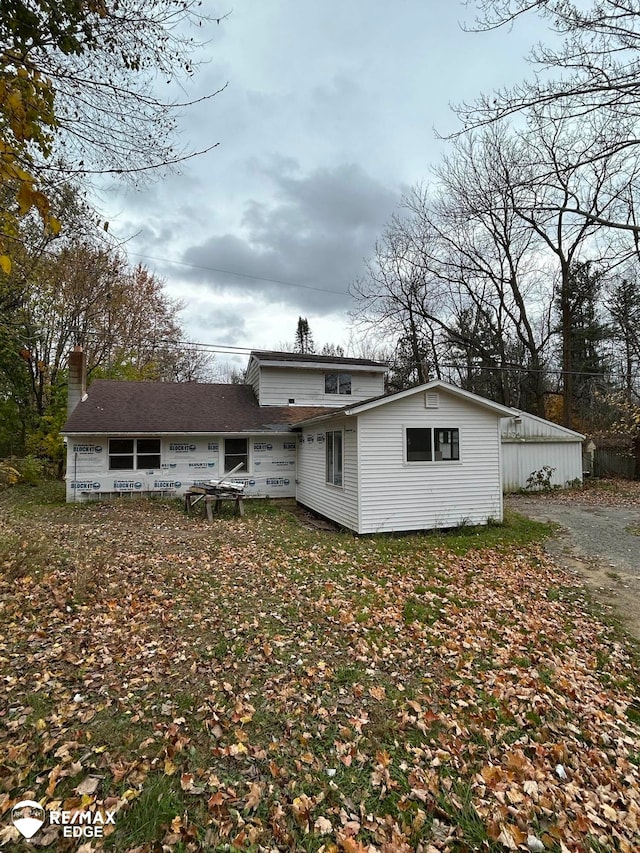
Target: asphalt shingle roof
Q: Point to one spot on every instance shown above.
(176, 407)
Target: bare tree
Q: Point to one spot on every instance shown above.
(589, 80)
(595, 67)
(481, 258)
(393, 299)
(457, 279)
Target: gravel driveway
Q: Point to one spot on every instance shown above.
(600, 540)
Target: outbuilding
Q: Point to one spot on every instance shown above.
(534, 449)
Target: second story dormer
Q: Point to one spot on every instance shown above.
(301, 379)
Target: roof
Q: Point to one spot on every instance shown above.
(307, 359)
(117, 407)
(434, 385)
(550, 428)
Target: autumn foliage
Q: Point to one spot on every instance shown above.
(256, 685)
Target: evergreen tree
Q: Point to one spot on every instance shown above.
(624, 308)
(304, 339)
(588, 332)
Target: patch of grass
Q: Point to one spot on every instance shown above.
(565, 594)
(515, 530)
(28, 554)
(150, 815)
(417, 610)
(458, 805)
(24, 497)
(347, 675)
(633, 712)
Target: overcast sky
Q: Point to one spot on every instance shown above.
(329, 116)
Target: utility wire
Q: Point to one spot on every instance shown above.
(239, 274)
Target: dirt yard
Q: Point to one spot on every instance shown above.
(599, 539)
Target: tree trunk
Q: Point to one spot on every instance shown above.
(567, 374)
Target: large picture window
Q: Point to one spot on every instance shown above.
(427, 444)
(236, 452)
(134, 454)
(333, 444)
(337, 383)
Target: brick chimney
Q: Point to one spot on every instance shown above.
(77, 384)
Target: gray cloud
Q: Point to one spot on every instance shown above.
(311, 235)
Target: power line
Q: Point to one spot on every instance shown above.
(514, 369)
(239, 274)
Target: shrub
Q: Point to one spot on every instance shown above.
(9, 475)
(541, 480)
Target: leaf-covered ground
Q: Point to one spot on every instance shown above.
(254, 685)
(597, 492)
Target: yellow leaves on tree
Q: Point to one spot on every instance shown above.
(27, 120)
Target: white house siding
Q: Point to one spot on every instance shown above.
(278, 385)
(337, 503)
(185, 461)
(253, 377)
(396, 495)
(529, 443)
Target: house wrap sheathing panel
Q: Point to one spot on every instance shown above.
(185, 461)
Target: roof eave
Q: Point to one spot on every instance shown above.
(324, 365)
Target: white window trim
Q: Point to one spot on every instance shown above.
(337, 374)
(326, 461)
(438, 463)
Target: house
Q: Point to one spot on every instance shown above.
(316, 428)
(162, 437)
(530, 444)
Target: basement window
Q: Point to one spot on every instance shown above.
(337, 383)
(134, 454)
(428, 444)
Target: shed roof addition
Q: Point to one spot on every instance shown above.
(270, 358)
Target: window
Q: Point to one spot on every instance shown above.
(131, 454)
(337, 383)
(148, 453)
(334, 457)
(418, 445)
(425, 444)
(236, 451)
(447, 444)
